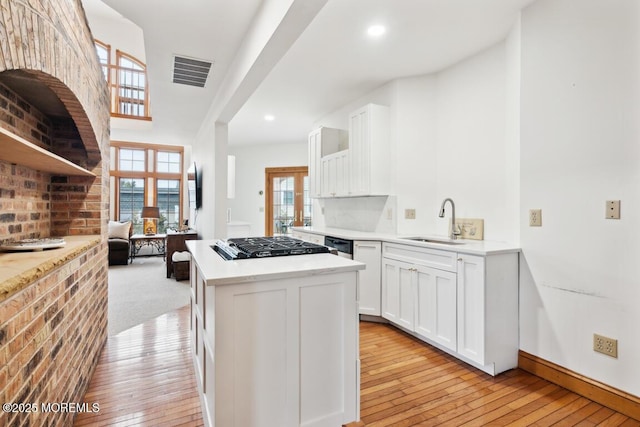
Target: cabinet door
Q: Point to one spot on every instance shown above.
(471, 307)
(369, 146)
(436, 305)
(359, 147)
(335, 174)
(315, 155)
(397, 293)
(369, 279)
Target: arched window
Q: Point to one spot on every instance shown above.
(131, 94)
(104, 55)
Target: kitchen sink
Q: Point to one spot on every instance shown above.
(433, 240)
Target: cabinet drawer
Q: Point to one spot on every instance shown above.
(442, 260)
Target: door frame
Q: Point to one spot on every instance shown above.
(269, 174)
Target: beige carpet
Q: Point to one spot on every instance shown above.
(140, 291)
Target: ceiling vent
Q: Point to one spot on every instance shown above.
(189, 71)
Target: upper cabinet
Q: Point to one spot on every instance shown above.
(354, 163)
(324, 142)
(369, 151)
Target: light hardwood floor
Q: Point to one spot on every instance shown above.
(145, 378)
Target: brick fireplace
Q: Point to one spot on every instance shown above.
(53, 306)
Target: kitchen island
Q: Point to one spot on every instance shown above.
(275, 340)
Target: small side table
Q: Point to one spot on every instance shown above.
(175, 243)
(153, 240)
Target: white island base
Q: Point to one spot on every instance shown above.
(278, 348)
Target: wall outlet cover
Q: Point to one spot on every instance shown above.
(535, 217)
(605, 345)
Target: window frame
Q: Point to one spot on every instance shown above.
(150, 174)
(120, 55)
(107, 48)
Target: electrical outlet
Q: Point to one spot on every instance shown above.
(389, 213)
(535, 217)
(409, 214)
(605, 345)
(612, 209)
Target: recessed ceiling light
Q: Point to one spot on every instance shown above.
(269, 118)
(376, 30)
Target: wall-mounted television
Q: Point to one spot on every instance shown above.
(194, 184)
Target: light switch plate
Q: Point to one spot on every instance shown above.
(612, 209)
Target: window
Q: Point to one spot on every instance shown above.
(104, 55)
(168, 197)
(147, 175)
(168, 162)
(127, 81)
(131, 201)
(132, 84)
(131, 160)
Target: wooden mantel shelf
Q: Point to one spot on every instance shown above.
(14, 149)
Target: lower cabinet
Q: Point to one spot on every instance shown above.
(464, 304)
(369, 253)
(420, 299)
(398, 300)
(435, 316)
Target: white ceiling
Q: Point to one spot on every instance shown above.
(331, 64)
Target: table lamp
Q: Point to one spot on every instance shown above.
(150, 214)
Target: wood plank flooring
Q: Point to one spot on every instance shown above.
(407, 383)
(145, 378)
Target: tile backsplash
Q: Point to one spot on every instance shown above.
(374, 213)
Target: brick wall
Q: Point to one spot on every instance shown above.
(51, 334)
(52, 331)
(24, 203)
(24, 192)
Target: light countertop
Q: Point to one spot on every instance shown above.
(218, 271)
(472, 247)
(20, 269)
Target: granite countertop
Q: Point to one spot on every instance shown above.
(472, 247)
(218, 271)
(20, 269)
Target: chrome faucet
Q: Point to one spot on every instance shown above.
(454, 234)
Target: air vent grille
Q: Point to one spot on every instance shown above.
(189, 71)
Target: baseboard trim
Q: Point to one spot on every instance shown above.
(601, 393)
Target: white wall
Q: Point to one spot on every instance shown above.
(579, 148)
(471, 162)
(448, 139)
(251, 161)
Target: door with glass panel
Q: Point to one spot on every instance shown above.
(288, 202)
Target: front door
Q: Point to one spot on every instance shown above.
(288, 202)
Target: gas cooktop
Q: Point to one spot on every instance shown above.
(261, 247)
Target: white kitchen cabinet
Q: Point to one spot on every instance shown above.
(464, 304)
(419, 297)
(369, 280)
(488, 310)
(398, 298)
(273, 345)
(314, 168)
(322, 142)
(335, 174)
(369, 146)
(435, 317)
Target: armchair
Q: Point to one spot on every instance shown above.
(119, 243)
